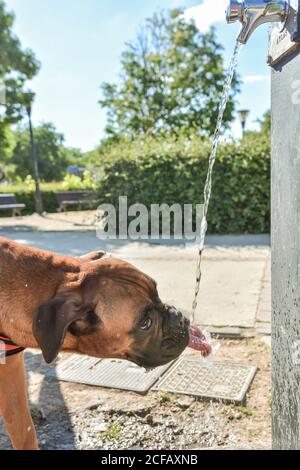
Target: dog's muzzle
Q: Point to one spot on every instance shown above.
(167, 342)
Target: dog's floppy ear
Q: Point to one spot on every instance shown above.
(52, 320)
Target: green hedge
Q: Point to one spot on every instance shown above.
(149, 171)
(174, 171)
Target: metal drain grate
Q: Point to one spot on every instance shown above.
(110, 373)
(215, 381)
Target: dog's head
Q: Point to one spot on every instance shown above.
(112, 310)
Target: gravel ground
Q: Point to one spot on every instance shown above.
(73, 416)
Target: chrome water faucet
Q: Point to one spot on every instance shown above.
(253, 13)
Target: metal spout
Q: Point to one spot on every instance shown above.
(253, 13)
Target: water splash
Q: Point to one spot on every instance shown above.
(215, 346)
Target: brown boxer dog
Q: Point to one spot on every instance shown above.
(96, 305)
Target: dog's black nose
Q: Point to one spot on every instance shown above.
(179, 320)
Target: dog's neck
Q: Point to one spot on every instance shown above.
(29, 278)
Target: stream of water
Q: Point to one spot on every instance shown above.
(212, 158)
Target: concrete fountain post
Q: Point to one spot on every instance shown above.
(286, 251)
(284, 59)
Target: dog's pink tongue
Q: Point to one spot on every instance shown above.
(198, 341)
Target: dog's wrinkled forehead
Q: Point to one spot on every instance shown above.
(122, 274)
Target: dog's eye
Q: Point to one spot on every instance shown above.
(146, 324)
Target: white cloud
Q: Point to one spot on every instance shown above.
(255, 78)
(207, 14)
(177, 3)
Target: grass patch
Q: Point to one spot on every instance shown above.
(247, 411)
(113, 432)
(162, 397)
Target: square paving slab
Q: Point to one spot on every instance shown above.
(214, 381)
(110, 373)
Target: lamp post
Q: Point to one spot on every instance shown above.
(29, 98)
(243, 116)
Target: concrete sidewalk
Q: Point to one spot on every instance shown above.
(235, 290)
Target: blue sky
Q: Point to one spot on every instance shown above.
(79, 43)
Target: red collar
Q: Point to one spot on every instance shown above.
(8, 347)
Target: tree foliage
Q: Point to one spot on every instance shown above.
(53, 157)
(264, 128)
(171, 81)
(265, 123)
(16, 66)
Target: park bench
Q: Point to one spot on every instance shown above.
(73, 198)
(9, 202)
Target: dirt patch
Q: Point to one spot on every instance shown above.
(73, 416)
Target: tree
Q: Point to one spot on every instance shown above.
(264, 128)
(171, 81)
(53, 157)
(16, 66)
(265, 123)
(6, 150)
